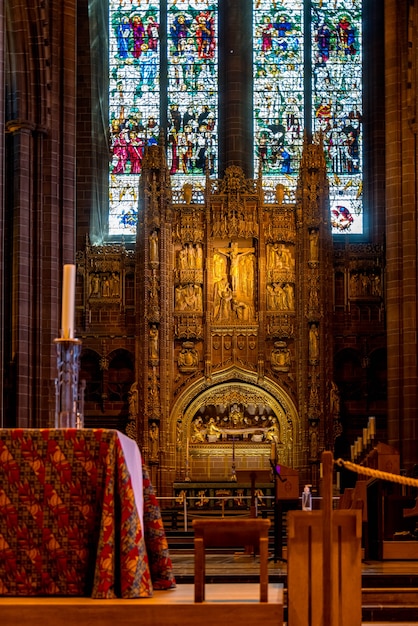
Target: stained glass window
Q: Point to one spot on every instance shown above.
(337, 105)
(307, 74)
(192, 89)
(278, 95)
(140, 92)
(134, 107)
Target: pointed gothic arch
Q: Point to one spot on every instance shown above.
(235, 386)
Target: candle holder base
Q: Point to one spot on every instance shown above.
(68, 404)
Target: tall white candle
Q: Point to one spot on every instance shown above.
(68, 302)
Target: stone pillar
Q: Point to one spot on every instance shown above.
(39, 196)
(401, 229)
(235, 80)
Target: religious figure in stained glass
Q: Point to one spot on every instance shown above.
(288, 96)
(334, 86)
(337, 105)
(192, 89)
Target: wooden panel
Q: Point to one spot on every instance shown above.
(400, 550)
(305, 565)
(235, 603)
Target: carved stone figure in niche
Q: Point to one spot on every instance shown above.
(133, 400)
(188, 298)
(280, 357)
(191, 256)
(242, 310)
(236, 415)
(115, 284)
(271, 298)
(95, 286)
(213, 431)
(247, 275)
(290, 297)
(188, 358)
(274, 256)
(313, 301)
(222, 301)
(182, 259)
(198, 431)
(153, 292)
(106, 287)
(153, 388)
(313, 246)
(289, 441)
(363, 284)
(199, 256)
(236, 267)
(273, 432)
(153, 342)
(313, 442)
(280, 297)
(154, 433)
(313, 343)
(153, 247)
(179, 430)
(313, 396)
(376, 288)
(219, 267)
(280, 257)
(334, 400)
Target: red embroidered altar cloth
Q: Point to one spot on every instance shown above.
(69, 520)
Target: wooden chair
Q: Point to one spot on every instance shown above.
(230, 532)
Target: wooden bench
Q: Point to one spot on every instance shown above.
(230, 532)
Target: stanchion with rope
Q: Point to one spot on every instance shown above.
(374, 473)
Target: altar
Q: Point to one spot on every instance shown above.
(78, 516)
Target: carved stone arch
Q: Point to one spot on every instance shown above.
(244, 387)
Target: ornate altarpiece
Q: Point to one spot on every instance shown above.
(233, 306)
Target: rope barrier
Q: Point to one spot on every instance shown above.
(368, 471)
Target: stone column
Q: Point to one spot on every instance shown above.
(235, 80)
(401, 229)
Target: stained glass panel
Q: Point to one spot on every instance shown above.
(278, 97)
(192, 52)
(284, 87)
(134, 106)
(337, 105)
